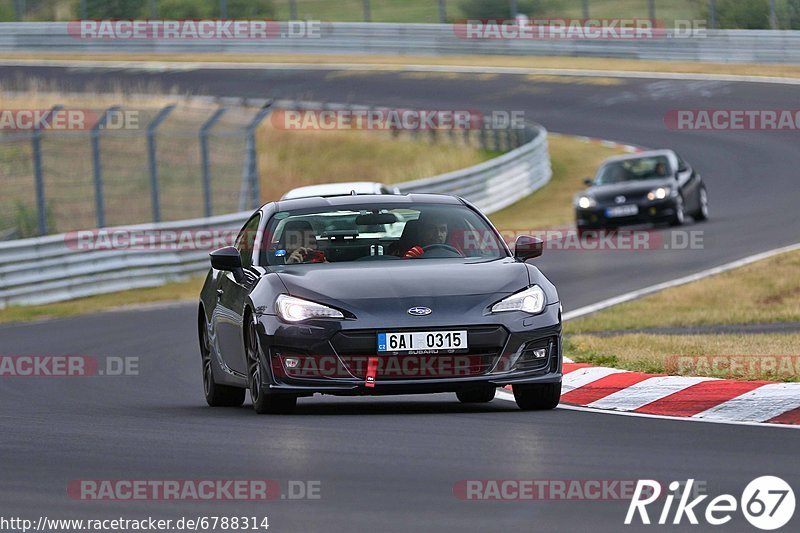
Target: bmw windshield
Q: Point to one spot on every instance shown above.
(341, 234)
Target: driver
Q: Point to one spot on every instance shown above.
(299, 236)
(661, 169)
(431, 231)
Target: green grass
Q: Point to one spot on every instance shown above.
(692, 355)
(764, 292)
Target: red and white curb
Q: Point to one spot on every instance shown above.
(696, 398)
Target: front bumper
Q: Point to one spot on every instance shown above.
(334, 357)
(648, 212)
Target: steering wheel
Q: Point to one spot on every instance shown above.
(443, 247)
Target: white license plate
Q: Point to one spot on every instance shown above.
(422, 340)
(622, 211)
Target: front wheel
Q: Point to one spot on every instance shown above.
(263, 403)
(680, 213)
(537, 397)
(702, 210)
(216, 395)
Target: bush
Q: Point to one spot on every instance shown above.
(498, 9)
(113, 9)
(745, 15)
(185, 9)
(242, 9)
(793, 14)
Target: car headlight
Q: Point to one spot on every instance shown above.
(294, 309)
(659, 194)
(531, 300)
(585, 202)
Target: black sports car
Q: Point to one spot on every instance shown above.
(655, 186)
(363, 295)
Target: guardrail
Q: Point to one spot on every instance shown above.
(57, 267)
(734, 46)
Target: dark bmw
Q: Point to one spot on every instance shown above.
(373, 295)
(648, 187)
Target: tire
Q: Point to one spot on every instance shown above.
(216, 395)
(537, 397)
(482, 395)
(679, 217)
(263, 403)
(702, 211)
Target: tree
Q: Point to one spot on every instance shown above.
(114, 9)
(498, 9)
(738, 14)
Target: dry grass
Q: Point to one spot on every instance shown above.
(767, 291)
(390, 63)
(287, 159)
(572, 160)
(296, 158)
(770, 357)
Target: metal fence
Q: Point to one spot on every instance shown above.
(130, 165)
(726, 46)
(59, 267)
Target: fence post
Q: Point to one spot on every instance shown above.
(36, 142)
(292, 9)
(586, 9)
(651, 9)
(223, 9)
(773, 17)
(251, 179)
(442, 11)
(84, 12)
(514, 9)
(204, 129)
(99, 200)
(367, 12)
(151, 159)
(712, 9)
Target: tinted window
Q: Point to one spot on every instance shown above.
(342, 234)
(246, 240)
(643, 168)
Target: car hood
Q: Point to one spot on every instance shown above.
(448, 287)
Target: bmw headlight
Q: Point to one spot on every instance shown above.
(659, 194)
(531, 300)
(585, 202)
(294, 309)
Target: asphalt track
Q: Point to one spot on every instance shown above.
(391, 463)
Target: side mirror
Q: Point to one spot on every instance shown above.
(588, 182)
(528, 248)
(229, 260)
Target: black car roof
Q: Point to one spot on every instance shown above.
(367, 201)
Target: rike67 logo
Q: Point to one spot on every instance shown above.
(767, 503)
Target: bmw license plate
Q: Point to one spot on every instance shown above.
(622, 211)
(425, 341)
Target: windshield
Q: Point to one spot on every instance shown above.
(644, 168)
(343, 235)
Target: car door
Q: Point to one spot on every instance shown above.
(231, 298)
(688, 184)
